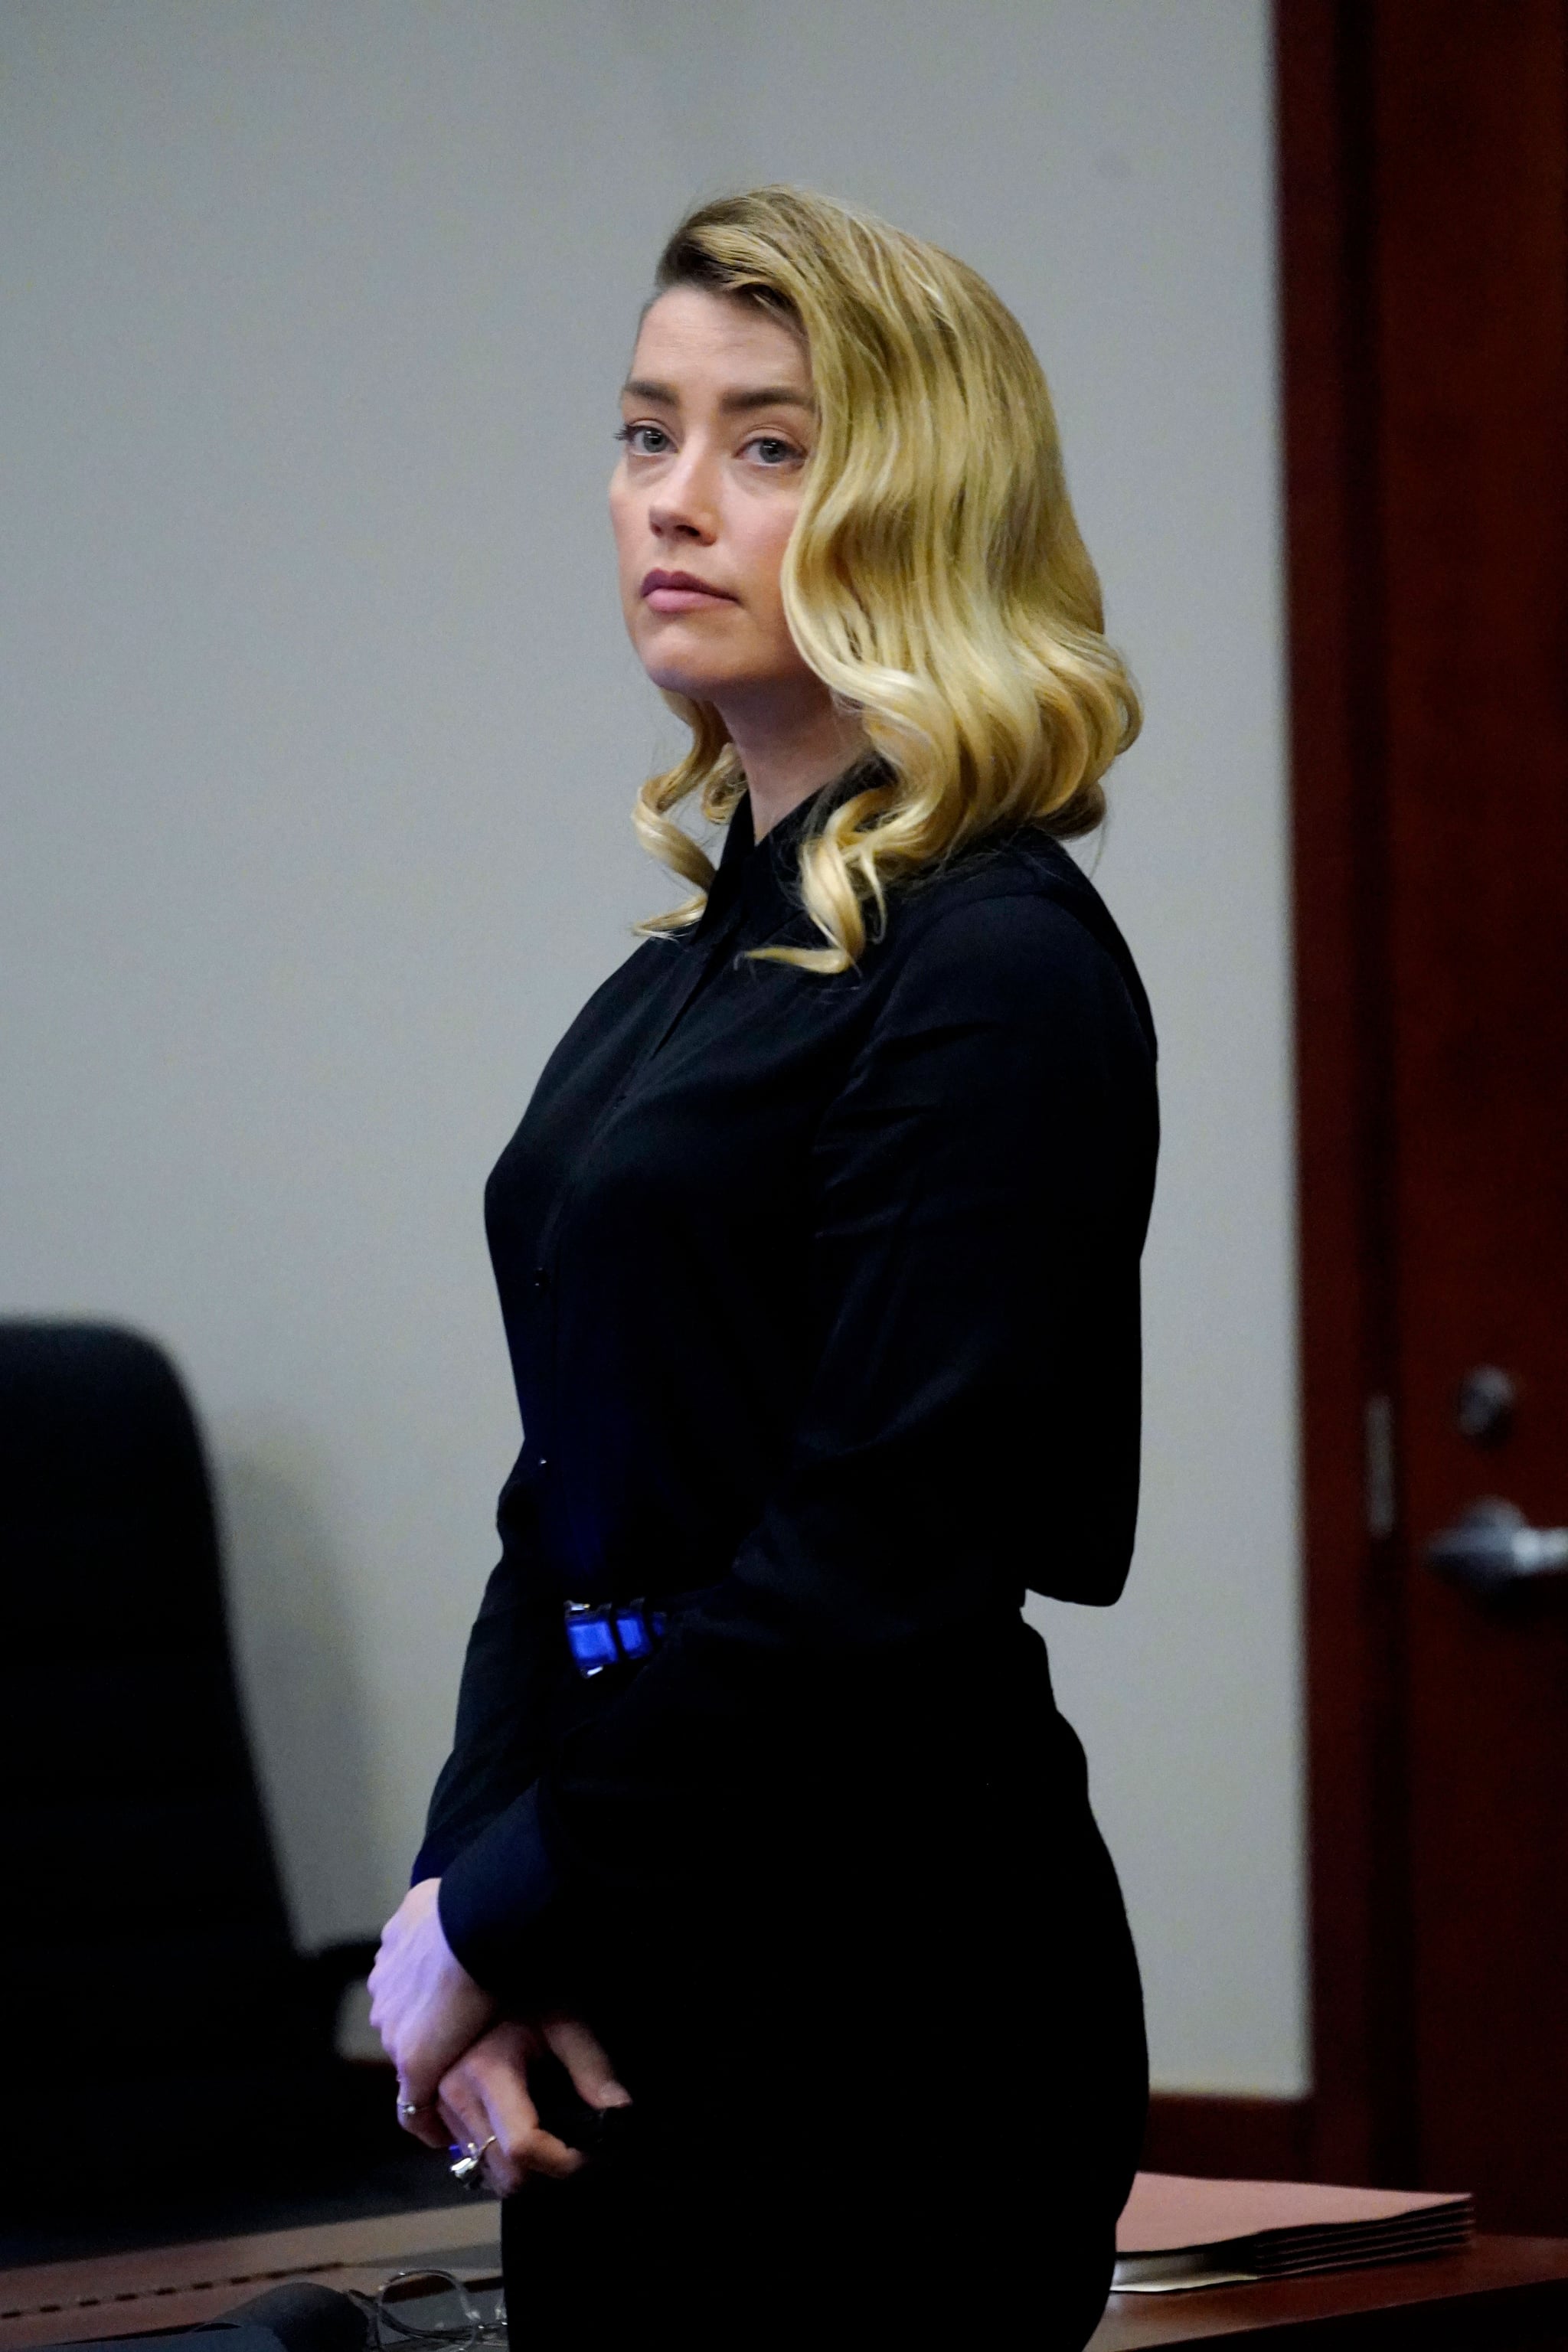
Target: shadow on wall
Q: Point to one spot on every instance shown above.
(305, 1708)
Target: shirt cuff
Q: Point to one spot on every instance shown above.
(431, 1860)
(499, 1909)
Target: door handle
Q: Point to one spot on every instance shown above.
(1492, 1546)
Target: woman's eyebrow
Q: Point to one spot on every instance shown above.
(765, 396)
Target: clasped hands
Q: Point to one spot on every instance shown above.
(462, 2068)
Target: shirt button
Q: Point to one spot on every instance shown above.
(541, 1278)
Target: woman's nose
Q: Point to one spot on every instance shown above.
(683, 504)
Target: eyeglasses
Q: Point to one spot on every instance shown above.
(433, 2308)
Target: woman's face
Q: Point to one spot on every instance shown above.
(717, 425)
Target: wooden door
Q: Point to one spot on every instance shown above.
(1424, 183)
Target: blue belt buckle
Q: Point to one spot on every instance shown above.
(601, 1634)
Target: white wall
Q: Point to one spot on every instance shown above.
(319, 736)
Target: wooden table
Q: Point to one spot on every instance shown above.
(1499, 2295)
(181, 2286)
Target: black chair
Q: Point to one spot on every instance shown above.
(168, 2055)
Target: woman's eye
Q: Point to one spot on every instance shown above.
(773, 449)
(644, 440)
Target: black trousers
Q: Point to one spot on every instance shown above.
(892, 2088)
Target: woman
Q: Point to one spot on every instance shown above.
(762, 1938)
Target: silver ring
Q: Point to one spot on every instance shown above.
(466, 2167)
(414, 2106)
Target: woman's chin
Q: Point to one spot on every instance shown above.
(696, 684)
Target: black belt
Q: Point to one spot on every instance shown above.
(604, 1634)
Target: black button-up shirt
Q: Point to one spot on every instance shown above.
(822, 1300)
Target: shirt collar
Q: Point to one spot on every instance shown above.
(763, 873)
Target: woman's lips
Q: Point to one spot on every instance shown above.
(678, 591)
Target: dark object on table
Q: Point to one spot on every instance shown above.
(222, 2335)
(172, 2054)
(297, 2317)
(305, 2318)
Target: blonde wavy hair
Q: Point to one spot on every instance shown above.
(935, 580)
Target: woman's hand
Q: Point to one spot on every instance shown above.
(486, 2092)
(425, 2005)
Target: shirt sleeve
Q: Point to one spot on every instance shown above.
(512, 1660)
(980, 1187)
